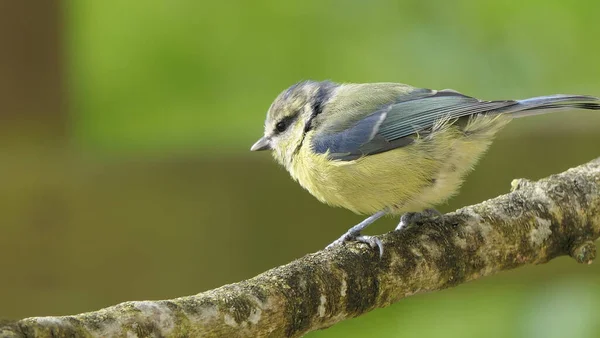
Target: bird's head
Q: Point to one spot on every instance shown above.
(291, 116)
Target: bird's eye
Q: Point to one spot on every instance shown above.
(281, 126)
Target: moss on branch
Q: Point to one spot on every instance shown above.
(534, 223)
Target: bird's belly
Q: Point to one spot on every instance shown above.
(410, 178)
(395, 180)
(370, 184)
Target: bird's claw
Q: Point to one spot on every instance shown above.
(347, 237)
(372, 241)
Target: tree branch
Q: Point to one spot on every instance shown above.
(536, 222)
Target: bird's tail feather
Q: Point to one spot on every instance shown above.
(551, 103)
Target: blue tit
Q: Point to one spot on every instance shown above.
(388, 148)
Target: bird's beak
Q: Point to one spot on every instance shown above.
(262, 144)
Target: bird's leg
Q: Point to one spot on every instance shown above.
(414, 217)
(353, 234)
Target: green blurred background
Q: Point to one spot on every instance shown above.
(125, 127)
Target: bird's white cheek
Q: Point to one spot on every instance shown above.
(278, 152)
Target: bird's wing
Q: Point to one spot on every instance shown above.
(393, 124)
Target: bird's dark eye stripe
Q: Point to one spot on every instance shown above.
(285, 122)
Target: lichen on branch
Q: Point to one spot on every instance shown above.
(534, 223)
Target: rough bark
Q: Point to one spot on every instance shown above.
(536, 222)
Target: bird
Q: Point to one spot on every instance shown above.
(381, 149)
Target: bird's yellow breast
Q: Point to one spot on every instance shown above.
(410, 178)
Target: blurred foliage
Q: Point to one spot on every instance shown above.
(158, 197)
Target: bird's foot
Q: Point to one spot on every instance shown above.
(352, 236)
(414, 217)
